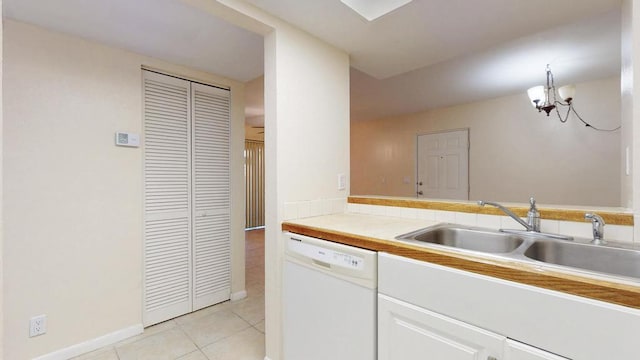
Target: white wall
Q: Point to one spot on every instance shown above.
(306, 143)
(306, 133)
(1, 197)
(307, 128)
(73, 204)
(631, 105)
(515, 151)
(626, 90)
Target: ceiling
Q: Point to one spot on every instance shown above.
(166, 29)
(581, 51)
(427, 32)
(434, 53)
(426, 54)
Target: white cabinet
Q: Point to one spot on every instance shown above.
(418, 302)
(519, 351)
(409, 332)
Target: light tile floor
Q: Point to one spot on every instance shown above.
(227, 331)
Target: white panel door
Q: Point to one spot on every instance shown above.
(211, 195)
(167, 198)
(443, 165)
(519, 351)
(408, 332)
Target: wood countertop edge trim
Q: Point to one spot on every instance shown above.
(610, 217)
(602, 290)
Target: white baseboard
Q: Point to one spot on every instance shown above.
(266, 358)
(93, 344)
(239, 295)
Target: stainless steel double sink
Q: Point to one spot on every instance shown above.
(578, 254)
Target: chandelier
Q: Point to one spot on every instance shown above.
(547, 99)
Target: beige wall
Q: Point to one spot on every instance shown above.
(515, 151)
(73, 204)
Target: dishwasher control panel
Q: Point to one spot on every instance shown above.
(325, 255)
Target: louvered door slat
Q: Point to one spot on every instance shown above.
(211, 195)
(167, 198)
(212, 269)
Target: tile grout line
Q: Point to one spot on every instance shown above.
(222, 338)
(188, 337)
(245, 320)
(258, 330)
(195, 351)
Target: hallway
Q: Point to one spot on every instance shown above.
(226, 331)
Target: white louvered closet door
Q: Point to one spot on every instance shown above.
(187, 198)
(167, 198)
(211, 195)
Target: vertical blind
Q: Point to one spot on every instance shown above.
(254, 177)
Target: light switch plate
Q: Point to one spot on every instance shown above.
(627, 162)
(342, 181)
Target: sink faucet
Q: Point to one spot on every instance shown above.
(533, 216)
(598, 228)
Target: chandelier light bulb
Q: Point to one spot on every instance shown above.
(567, 93)
(536, 95)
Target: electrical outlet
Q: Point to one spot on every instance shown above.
(37, 325)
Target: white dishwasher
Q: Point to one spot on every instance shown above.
(329, 300)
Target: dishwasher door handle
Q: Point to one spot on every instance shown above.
(321, 263)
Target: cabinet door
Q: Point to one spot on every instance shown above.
(519, 351)
(409, 332)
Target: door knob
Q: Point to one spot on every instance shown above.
(420, 192)
(420, 183)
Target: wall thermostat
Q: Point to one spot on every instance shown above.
(127, 139)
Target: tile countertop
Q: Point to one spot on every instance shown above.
(611, 215)
(378, 233)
